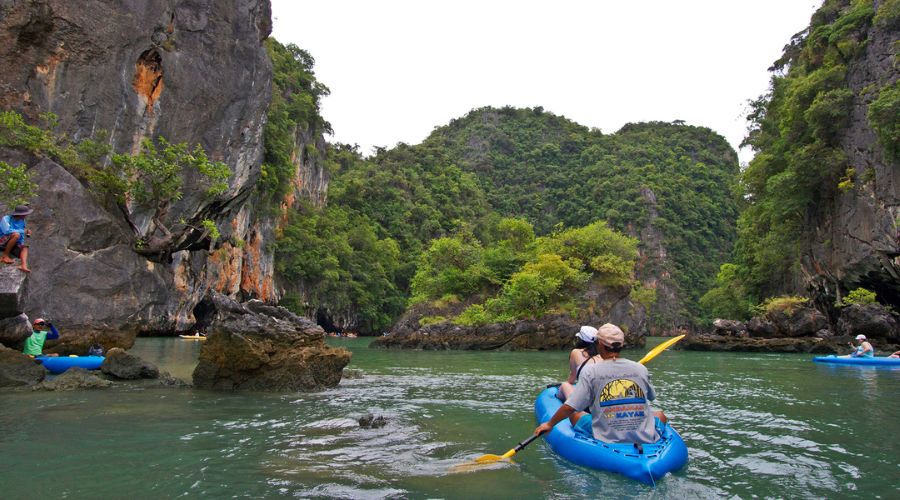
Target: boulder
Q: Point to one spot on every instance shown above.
(728, 327)
(14, 330)
(871, 320)
(369, 421)
(259, 347)
(120, 364)
(761, 328)
(74, 379)
(12, 291)
(805, 322)
(18, 369)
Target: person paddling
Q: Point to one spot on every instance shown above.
(864, 349)
(34, 345)
(12, 237)
(616, 390)
(585, 349)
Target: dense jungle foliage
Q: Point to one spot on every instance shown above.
(495, 165)
(678, 179)
(795, 131)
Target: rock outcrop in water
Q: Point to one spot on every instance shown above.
(603, 305)
(802, 330)
(122, 365)
(18, 369)
(261, 347)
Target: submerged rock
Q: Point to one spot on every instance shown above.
(18, 369)
(74, 379)
(369, 421)
(260, 347)
(120, 364)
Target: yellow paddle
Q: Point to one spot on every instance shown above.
(660, 348)
(486, 459)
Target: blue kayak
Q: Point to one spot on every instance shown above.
(59, 364)
(861, 361)
(668, 454)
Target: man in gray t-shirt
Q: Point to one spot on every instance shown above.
(617, 392)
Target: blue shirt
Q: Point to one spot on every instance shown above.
(10, 224)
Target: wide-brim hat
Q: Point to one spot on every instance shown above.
(22, 210)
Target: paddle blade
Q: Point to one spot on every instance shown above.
(660, 348)
(486, 459)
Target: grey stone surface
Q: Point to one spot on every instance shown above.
(73, 379)
(14, 331)
(260, 347)
(18, 369)
(123, 365)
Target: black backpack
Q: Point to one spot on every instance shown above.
(95, 350)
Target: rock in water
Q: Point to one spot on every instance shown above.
(369, 421)
(259, 347)
(18, 369)
(120, 364)
(73, 379)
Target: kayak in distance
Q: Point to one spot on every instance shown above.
(59, 364)
(193, 337)
(648, 465)
(862, 361)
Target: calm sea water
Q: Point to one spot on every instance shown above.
(756, 425)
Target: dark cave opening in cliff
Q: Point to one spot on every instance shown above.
(204, 312)
(324, 320)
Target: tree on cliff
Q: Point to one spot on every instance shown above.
(149, 182)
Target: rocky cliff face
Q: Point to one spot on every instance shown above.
(190, 71)
(856, 242)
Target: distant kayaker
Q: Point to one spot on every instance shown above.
(585, 349)
(618, 393)
(895, 355)
(864, 349)
(34, 345)
(12, 237)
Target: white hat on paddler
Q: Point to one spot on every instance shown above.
(587, 334)
(860, 337)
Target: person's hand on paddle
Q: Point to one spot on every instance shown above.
(543, 428)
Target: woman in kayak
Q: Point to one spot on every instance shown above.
(864, 349)
(585, 349)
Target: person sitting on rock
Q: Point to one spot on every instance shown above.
(864, 349)
(34, 345)
(12, 237)
(585, 349)
(618, 393)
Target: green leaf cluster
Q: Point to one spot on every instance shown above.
(859, 296)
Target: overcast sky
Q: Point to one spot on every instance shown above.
(399, 68)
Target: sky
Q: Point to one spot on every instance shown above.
(399, 68)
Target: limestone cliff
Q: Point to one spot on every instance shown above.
(856, 237)
(190, 71)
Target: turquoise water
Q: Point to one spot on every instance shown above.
(756, 425)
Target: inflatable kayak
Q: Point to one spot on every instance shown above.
(874, 361)
(668, 454)
(193, 337)
(59, 364)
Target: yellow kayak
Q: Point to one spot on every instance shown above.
(193, 337)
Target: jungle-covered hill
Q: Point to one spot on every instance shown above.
(668, 184)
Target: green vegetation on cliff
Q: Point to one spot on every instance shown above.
(799, 163)
(296, 96)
